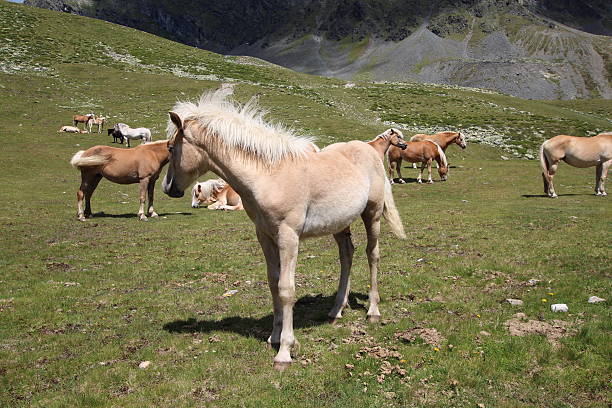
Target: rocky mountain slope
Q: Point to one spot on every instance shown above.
(529, 48)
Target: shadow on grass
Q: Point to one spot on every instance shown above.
(560, 195)
(406, 180)
(102, 214)
(308, 311)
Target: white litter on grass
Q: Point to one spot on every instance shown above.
(559, 307)
(515, 302)
(144, 364)
(596, 299)
(230, 293)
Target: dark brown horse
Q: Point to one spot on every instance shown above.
(142, 165)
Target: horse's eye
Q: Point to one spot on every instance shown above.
(170, 148)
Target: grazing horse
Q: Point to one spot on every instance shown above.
(99, 121)
(117, 136)
(128, 133)
(289, 190)
(382, 142)
(141, 165)
(216, 194)
(578, 152)
(424, 152)
(443, 139)
(84, 119)
(71, 129)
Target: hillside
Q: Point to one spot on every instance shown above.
(84, 304)
(521, 48)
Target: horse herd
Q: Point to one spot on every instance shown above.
(290, 188)
(120, 132)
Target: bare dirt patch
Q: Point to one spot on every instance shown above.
(555, 330)
(429, 335)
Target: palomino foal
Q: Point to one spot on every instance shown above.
(577, 152)
(288, 189)
(141, 164)
(216, 195)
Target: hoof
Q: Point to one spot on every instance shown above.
(420, 181)
(153, 215)
(429, 181)
(281, 365)
(401, 181)
(373, 319)
(332, 320)
(143, 218)
(81, 218)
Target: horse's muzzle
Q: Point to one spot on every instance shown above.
(171, 190)
(402, 146)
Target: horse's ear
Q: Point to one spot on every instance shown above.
(176, 119)
(391, 132)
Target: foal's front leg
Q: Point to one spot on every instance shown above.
(429, 180)
(346, 250)
(270, 250)
(288, 245)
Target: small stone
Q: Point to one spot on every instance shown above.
(596, 299)
(144, 365)
(484, 333)
(515, 302)
(532, 282)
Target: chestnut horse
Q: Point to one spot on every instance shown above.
(84, 119)
(141, 164)
(424, 152)
(578, 152)
(443, 139)
(216, 194)
(289, 190)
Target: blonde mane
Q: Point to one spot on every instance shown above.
(242, 128)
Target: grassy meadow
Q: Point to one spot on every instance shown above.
(83, 304)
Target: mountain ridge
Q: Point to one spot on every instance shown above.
(518, 47)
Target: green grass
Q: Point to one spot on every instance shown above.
(83, 304)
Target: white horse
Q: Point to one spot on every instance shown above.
(289, 190)
(128, 133)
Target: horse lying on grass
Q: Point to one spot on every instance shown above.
(289, 191)
(424, 152)
(216, 194)
(71, 129)
(577, 152)
(142, 165)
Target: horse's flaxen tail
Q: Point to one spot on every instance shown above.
(79, 161)
(390, 212)
(442, 155)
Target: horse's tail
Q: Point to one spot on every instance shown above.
(79, 161)
(441, 154)
(390, 212)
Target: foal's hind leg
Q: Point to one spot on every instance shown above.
(144, 183)
(548, 176)
(346, 250)
(429, 180)
(151, 191)
(371, 220)
(89, 182)
(601, 176)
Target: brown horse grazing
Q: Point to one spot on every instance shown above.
(289, 190)
(84, 119)
(578, 152)
(382, 142)
(216, 194)
(424, 152)
(443, 139)
(141, 165)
